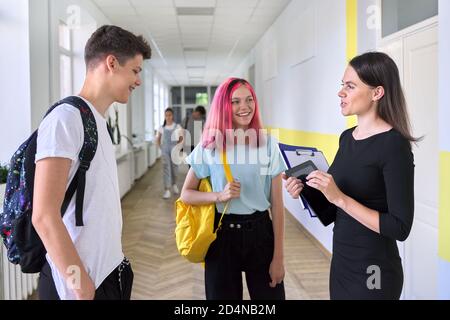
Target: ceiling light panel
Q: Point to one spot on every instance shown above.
(195, 11)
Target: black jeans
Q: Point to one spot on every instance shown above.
(245, 243)
(116, 286)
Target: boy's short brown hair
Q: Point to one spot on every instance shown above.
(114, 40)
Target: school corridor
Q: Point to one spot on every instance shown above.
(297, 57)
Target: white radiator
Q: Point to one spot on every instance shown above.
(14, 285)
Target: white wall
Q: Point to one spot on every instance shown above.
(444, 131)
(15, 117)
(39, 60)
(444, 74)
(368, 22)
(148, 89)
(290, 84)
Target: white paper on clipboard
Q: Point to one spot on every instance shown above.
(299, 156)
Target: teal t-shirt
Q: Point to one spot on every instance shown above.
(253, 167)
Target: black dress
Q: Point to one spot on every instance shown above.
(378, 172)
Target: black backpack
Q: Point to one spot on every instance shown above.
(22, 242)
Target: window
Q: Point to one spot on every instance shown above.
(201, 99)
(193, 95)
(162, 103)
(400, 14)
(65, 60)
(177, 114)
(65, 74)
(156, 114)
(213, 92)
(166, 96)
(176, 95)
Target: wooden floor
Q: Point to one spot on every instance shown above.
(159, 271)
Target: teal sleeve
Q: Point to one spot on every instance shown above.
(198, 162)
(277, 164)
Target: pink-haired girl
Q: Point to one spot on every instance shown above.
(250, 239)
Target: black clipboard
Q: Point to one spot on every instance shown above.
(313, 199)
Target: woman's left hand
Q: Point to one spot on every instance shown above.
(276, 272)
(324, 182)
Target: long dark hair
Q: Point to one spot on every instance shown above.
(167, 110)
(378, 69)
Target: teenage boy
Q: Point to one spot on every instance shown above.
(86, 262)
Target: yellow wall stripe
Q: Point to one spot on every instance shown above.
(352, 41)
(444, 206)
(327, 143)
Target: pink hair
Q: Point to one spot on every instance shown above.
(220, 118)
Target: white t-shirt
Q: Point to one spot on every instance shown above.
(178, 131)
(98, 242)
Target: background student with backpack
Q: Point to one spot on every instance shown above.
(81, 235)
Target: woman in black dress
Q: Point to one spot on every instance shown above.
(371, 182)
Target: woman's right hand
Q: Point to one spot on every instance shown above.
(294, 186)
(232, 191)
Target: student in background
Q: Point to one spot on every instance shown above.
(194, 125)
(169, 139)
(371, 181)
(114, 59)
(250, 239)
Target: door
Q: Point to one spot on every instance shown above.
(421, 83)
(417, 57)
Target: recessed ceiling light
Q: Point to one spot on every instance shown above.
(192, 11)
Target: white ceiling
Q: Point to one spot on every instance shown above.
(201, 44)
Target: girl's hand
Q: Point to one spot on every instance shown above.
(276, 272)
(293, 186)
(324, 182)
(232, 191)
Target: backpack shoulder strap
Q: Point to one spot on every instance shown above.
(89, 147)
(85, 156)
(229, 177)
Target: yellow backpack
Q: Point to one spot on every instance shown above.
(195, 232)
